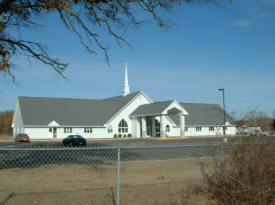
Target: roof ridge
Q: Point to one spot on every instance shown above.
(61, 98)
(162, 101)
(121, 96)
(199, 103)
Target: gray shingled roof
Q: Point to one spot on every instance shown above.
(203, 114)
(40, 111)
(151, 109)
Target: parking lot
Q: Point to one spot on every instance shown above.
(38, 153)
(134, 142)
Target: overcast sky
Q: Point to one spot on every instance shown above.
(209, 47)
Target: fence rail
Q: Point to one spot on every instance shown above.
(126, 147)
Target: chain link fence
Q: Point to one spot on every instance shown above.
(103, 175)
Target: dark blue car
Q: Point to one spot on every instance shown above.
(74, 140)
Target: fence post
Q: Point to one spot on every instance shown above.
(118, 178)
(222, 168)
(222, 159)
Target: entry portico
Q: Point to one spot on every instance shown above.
(153, 115)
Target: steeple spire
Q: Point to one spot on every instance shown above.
(126, 89)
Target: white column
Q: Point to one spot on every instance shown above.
(143, 127)
(162, 127)
(135, 128)
(153, 126)
(182, 124)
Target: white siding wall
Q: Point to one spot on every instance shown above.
(37, 133)
(167, 122)
(231, 130)
(96, 132)
(43, 133)
(133, 129)
(17, 121)
(205, 131)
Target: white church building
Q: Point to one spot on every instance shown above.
(133, 115)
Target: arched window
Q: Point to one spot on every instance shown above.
(167, 128)
(122, 126)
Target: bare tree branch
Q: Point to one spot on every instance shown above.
(82, 17)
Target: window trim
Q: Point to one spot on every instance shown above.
(68, 130)
(110, 129)
(167, 128)
(88, 130)
(123, 126)
(211, 128)
(198, 129)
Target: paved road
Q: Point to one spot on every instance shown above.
(101, 152)
(132, 142)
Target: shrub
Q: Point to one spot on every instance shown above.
(119, 135)
(115, 135)
(129, 135)
(247, 176)
(124, 136)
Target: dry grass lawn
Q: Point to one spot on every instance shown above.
(150, 182)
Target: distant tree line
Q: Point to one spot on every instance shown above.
(254, 118)
(6, 122)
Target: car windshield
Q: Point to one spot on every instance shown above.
(21, 135)
(70, 137)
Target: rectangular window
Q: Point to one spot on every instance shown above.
(186, 129)
(198, 129)
(110, 130)
(68, 130)
(211, 128)
(88, 130)
(50, 129)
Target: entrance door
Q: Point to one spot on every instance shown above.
(149, 126)
(54, 132)
(157, 125)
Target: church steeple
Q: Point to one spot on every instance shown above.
(126, 88)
